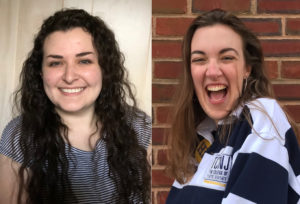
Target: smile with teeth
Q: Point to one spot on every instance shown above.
(216, 93)
(216, 87)
(76, 90)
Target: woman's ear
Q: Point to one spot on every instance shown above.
(248, 71)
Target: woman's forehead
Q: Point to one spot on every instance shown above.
(216, 37)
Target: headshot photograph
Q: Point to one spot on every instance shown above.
(226, 101)
(75, 102)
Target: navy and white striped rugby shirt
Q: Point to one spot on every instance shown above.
(258, 165)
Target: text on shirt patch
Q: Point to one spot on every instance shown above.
(201, 149)
(219, 171)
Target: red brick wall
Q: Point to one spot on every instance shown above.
(276, 22)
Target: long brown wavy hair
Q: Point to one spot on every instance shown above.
(43, 133)
(188, 113)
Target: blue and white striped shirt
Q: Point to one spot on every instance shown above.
(88, 175)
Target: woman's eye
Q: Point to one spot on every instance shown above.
(199, 60)
(228, 58)
(86, 61)
(54, 64)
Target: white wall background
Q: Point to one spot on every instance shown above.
(20, 21)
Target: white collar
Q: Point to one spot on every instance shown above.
(235, 114)
(208, 125)
(205, 128)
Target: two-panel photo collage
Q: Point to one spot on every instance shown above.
(150, 102)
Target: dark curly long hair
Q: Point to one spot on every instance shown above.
(43, 133)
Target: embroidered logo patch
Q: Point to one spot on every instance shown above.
(201, 149)
(219, 171)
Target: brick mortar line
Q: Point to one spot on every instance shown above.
(282, 58)
(159, 147)
(169, 38)
(152, 69)
(287, 37)
(253, 7)
(158, 123)
(155, 105)
(285, 102)
(155, 190)
(154, 26)
(161, 126)
(161, 188)
(266, 59)
(154, 117)
(285, 81)
(154, 156)
(156, 167)
(189, 6)
(279, 67)
(173, 59)
(246, 15)
(166, 60)
(154, 201)
(264, 37)
(283, 26)
(180, 38)
(165, 81)
(159, 167)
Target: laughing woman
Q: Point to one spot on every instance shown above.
(230, 140)
(76, 140)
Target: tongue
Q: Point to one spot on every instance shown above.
(217, 95)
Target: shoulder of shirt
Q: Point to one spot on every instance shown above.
(9, 143)
(141, 123)
(14, 126)
(269, 120)
(138, 116)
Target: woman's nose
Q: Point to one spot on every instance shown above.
(70, 74)
(213, 69)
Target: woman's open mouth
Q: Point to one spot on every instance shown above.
(216, 93)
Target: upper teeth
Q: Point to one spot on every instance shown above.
(216, 87)
(72, 90)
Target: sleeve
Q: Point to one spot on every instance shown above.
(142, 126)
(9, 143)
(266, 168)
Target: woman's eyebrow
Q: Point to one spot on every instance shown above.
(198, 52)
(55, 56)
(229, 49)
(83, 54)
(77, 55)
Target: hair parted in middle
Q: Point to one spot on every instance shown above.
(43, 132)
(188, 113)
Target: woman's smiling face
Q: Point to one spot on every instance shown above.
(71, 74)
(218, 68)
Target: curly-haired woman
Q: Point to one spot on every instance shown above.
(76, 140)
(230, 140)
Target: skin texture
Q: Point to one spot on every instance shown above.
(70, 61)
(217, 60)
(9, 180)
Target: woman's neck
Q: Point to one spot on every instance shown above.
(83, 129)
(75, 121)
